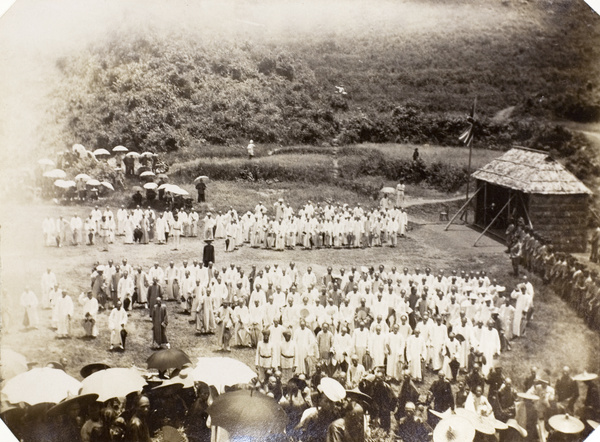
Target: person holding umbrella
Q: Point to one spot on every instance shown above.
(201, 188)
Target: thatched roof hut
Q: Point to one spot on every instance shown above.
(532, 185)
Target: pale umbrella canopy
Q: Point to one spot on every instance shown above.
(93, 182)
(120, 149)
(150, 186)
(177, 190)
(388, 190)
(12, 363)
(100, 152)
(201, 178)
(113, 382)
(132, 154)
(46, 162)
(40, 385)
(222, 371)
(147, 173)
(83, 176)
(107, 185)
(55, 173)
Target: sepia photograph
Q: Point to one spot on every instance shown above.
(299, 221)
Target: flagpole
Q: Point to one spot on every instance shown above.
(469, 167)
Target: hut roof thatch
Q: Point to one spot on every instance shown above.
(531, 172)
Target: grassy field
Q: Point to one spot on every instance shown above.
(454, 156)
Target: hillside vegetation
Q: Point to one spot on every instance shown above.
(409, 72)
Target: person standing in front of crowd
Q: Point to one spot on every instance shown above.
(116, 323)
(30, 303)
(90, 313)
(159, 324)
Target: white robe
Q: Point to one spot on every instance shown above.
(30, 303)
(48, 283)
(305, 348)
(395, 359)
(416, 350)
(90, 306)
(64, 308)
(125, 288)
(489, 345)
(117, 320)
(377, 347)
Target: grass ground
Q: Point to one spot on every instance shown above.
(557, 337)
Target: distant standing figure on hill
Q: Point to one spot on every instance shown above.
(416, 154)
(250, 149)
(201, 188)
(400, 188)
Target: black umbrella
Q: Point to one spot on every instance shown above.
(92, 368)
(166, 359)
(248, 413)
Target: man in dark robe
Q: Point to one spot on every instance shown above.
(440, 393)
(383, 397)
(154, 292)
(566, 391)
(100, 286)
(159, 324)
(208, 254)
(137, 428)
(408, 393)
(201, 188)
(412, 428)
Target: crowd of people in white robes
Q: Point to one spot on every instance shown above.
(379, 316)
(312, 226)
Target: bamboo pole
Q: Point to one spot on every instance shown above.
(493, 221)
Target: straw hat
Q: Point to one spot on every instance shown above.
(331, 388)
(585, 376)
(452, 429)
(512, 423)
(563, 423)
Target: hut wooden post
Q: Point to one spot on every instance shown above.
(485, 205)
(492, 222)
(526, 211)
(461, 209)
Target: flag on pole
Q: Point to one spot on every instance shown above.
(467, 136)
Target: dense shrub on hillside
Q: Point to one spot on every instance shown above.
(163, 93)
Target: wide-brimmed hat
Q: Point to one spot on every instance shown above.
(563, 423)
(331, 388)
(454, 428)
(585, 376)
